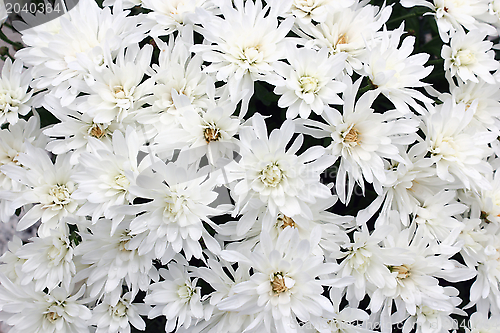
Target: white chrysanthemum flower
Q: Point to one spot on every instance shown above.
(275, 175)
(105, 176)
(112, 317)
(63, 51)
(177, 74)
(48, 186)
(362, 139)
(112, 261)
(470, 57)
(482, 98)
(169, 16)
(346, 31)
(435, 217)
(119, 89)
(286, 284)
(395, 72)
(451, 15)
(328, 227)
(244, 45)
(27, 310)
(173, 220)
(457, 150)
(75, 129)
(308, 83)
(210, 133)
(417, 277)
(367, 261)
(13, 141)
(177, 297)
(407, 185)
(49, 261)
(14, 95)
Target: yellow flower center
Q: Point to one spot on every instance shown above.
(352, 136)
(280, 283)
(403, 271)
(342, 39)
(97, 131)
(211, 134)
(52, 317)
(286, 221)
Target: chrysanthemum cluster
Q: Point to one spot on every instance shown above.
(185, 174)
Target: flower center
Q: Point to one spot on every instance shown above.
(52, 317)
(120, 310)
(119, 92)
(351, 136)
(58, 251)
(60, 194)
(305, 5)
(7, 102)
(342, 39)
(98, 60)
(446, 147)
(465, 57)
(285, 221)
(280, 283)
(251, 55)
(211, 134)
(494, 7)
(177, 9)
(428, 312)
(360, 259)
(13, 156)
(174, 206)
(122, 181)
(403, 271)
(185, 292)
(271, 175)
(97, 130)
(125, 238)
(309, 84)
(123, 99)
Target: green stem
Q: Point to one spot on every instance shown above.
(8, 25)
(7, 40)
(11, 57)
(364, 89)
(404, 17)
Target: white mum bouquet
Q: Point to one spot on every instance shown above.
(226, 166)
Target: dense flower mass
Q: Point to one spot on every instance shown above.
(278, 166)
